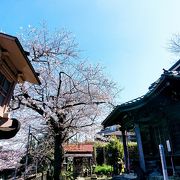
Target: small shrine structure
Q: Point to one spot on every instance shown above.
(80, 156)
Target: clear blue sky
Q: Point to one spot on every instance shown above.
(128, 37)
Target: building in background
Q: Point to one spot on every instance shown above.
(105, 135)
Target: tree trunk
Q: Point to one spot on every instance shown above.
(58, 157)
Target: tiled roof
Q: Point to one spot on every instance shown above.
(154, 89)
(78, 148)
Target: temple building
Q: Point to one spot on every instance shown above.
(155, 119)
(79, 157)
(15, 67)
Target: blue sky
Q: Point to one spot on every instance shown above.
(128, 37)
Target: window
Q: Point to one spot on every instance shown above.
(5, 88)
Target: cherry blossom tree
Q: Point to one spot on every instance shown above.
(73, 93)
(174, 45)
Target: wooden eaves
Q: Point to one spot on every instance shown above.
(18, 58)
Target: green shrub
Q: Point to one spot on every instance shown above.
(114, 151)
(100, 153)
(67, 175)
(133, 150)
(103, 170)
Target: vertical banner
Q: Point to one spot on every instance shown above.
(163, 162)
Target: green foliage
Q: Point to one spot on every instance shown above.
(68, 175)
(133, 150)
(99, 144)
(114, 151)
(100, 155)
(103, 170)
(100, 152)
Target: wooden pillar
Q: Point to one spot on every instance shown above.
(125, 150)
(140, 148)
